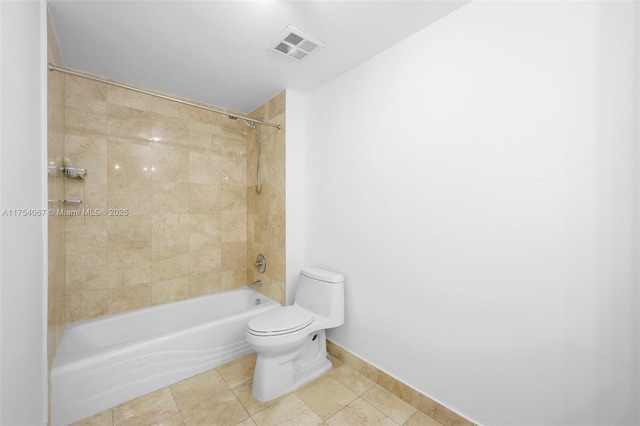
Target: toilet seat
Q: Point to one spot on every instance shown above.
(287, 319)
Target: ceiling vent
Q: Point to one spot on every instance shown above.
(295, 44)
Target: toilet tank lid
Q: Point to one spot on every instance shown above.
(322, 275)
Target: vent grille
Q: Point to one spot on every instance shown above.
(283, 48)
(294, 43)
(293, 39)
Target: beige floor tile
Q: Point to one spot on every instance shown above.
(355, 381)
(152, 409)
(290, 410)
(248, 401)
(238, 371)
(326, 396)
(246, 422)
(421, 419)
(190, 392)
(101, 419)
(221, 409)
(360, 412)
(389, 404)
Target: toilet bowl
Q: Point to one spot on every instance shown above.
(290, 342)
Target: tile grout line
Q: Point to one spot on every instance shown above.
(440, 413)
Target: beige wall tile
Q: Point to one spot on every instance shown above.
(399, 389)
(129, 297)
(81, 120)
(129, 232)
(128, 98)
(233, 227)
(199, 125)
(427, 405)
(169, 262)
(181, 173)
(204, 230)
(128, 124)
(203, 259)
(129, 267)
(169, 291)
(130, 194)
(86, 271)
(201, 284)
(177, 110)
(448, 418)
(169, 230)
(273, 289)
(129, 160)
(169, 163)
(85, 234)
(55, 186)
(170, 197)
(85, 94)
(266, 211)
(421, 419)
(88, 152)
(349, 377)
(234, 256)
(234, 279)
(233, 199)
(169, 129)
(129, 177)
(81, 305)
(371, 372)
(204, 199)
(234, 144)
(204, 168)
(233, 171)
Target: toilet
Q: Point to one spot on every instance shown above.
(290, 342)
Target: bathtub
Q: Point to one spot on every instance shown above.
(106, 361)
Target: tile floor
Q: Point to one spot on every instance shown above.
(222, 396)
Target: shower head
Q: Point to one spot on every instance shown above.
(249, 124)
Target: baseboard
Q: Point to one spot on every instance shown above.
(422, 402)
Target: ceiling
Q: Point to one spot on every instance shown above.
(217, 51)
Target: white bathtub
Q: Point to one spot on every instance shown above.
(106, 361)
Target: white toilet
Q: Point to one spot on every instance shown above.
(290, 341)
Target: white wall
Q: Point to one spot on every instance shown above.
(23, 375)
(295, 189)
(477, 184)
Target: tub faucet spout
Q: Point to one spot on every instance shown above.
(256, 284)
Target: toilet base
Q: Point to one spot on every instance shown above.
(276, 375)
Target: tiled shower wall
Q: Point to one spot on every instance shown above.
(167, 192)
(55, 153)
(266, 220)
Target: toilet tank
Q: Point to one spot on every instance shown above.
(322, 292)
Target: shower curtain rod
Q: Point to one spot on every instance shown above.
(159, 95)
